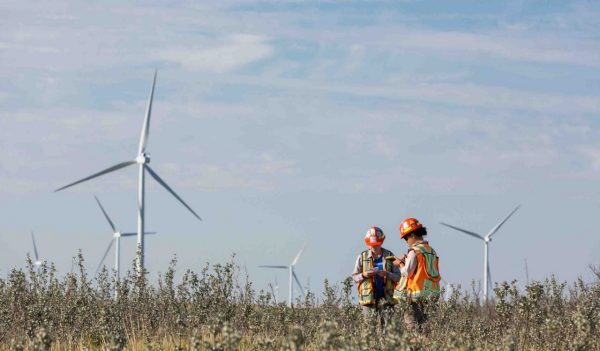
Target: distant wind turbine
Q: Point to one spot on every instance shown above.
(292, 276)
(448, 288)
(143, 160)
(37, 263)
(275, 291)
(486, 239)
(116, 239)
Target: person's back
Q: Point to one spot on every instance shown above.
(420, 276)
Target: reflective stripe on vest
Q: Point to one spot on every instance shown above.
(424, 281)
(366, 288)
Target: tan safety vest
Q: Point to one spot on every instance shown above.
(366, 288)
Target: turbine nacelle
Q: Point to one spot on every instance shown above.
(117, 235)
(143, 159)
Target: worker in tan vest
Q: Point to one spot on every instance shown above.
(375, 275)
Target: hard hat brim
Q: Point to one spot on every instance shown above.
(377, 243)
(412, 229)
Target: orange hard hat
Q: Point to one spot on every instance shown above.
(408, 226)
(374, 236)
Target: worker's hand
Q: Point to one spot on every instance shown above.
(382, 273)
(368, 274)
(399, 261)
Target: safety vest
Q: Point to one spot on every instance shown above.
(424, 281)
(366, 288)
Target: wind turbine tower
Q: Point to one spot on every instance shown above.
(37, 263)
(142, 160)
(486, 239)
(116, 239)
(292, 276)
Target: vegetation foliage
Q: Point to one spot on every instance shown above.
(218, 309)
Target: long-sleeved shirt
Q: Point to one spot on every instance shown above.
(410, 263)
(357, 276)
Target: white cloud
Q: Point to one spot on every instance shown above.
(374, 143)
(237, 51)
(457, 94)
(213, 177)
(512, 45)
(262, 172)
(20, 186)
(272, 165)
(592, 154)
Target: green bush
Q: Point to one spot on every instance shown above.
(218, 309)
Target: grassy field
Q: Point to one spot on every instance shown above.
(218, 309)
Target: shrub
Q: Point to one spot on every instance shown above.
(218, 309)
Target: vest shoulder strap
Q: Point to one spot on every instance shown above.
(418, 249)
(365, 254)
(385, 253)
(365, 259)
(421, 249)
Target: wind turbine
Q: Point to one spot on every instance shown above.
(448, 288)
(116, 239)
(142, 160)
(275, 290)
(292, 276)
(37, 263)
(486, 239)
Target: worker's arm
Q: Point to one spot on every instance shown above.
(394, 274)
(410, 264)
(357, 274)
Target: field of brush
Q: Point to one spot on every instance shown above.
(218, 309)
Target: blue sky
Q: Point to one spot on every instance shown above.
(284, 122)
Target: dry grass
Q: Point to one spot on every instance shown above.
(218, 309)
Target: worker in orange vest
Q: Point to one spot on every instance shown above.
(420, 277)
(375, 275)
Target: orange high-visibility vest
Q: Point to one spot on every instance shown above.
(366, 288)
(424, 281)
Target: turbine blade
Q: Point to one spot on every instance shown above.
(495, 229)
(162, 182)
(146, 125)
(280, 267)
(298, 282)
(35, 251)
(108, 170)
(463, 230)
(490, 283)
(104, 257)
(134, 234)
(106, 215)
(298, 255)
